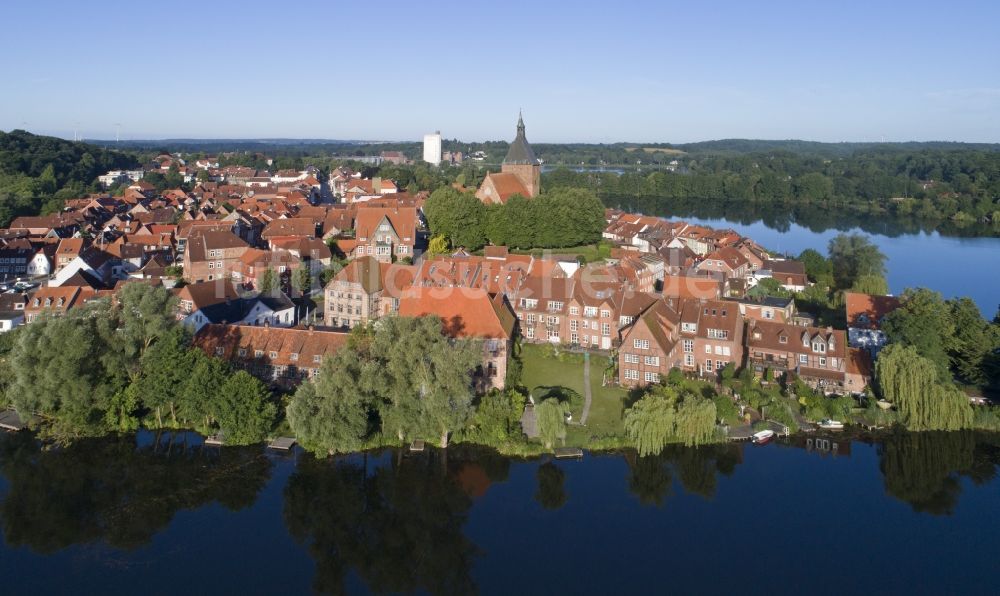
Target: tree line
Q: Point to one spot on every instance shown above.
(554, 219)
(118, 365)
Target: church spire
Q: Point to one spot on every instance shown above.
(520, 152)
(520, 124)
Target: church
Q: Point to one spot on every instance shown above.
(520, 173)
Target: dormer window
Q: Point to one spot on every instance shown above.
(293, 356)
(819, 346)
(782, 339)
(273, 355)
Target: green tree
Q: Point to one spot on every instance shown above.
(818, 268)
(924, 401)
(302, 280)
(924, 321)
(551, 418)
(651, 422)
(854, 255)
(330, 413)
(243, 409)
(166, 366)
(438, 245)
(459, 216)
(268, 282)
(973, 343)
(871, 284)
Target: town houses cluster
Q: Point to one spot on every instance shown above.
(670, 295)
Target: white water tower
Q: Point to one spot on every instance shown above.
(432, 148)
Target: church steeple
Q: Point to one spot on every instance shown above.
(520, 152)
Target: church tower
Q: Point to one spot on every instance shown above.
(521, 162)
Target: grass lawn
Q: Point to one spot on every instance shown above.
(544, 376)
(591, 253)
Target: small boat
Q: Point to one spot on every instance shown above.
(885, 405)
(831, 424)
(762, 437)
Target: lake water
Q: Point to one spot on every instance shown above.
(954, 266)
(909, 513)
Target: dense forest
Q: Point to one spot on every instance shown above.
(37, 173)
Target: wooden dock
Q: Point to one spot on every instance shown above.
(9, 420)
(568, 453)
(214, 440)
(417, 446)
(282, 443)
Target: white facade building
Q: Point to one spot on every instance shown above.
(432, 148)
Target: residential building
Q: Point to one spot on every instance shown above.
(212, 255)
(278, 356)
(432, 148)
(387, 233)
(469, 313)
(815, 355)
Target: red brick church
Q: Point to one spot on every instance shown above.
(520, 174)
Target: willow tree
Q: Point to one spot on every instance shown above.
(695, 420)
(911, 382)
(650, 423)
(551, 417)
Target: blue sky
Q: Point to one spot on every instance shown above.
(582, 71)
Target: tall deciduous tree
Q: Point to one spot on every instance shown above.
(923, 321)
(854, 255)
(243, 409)
(268, 281)
(551, 418)
(911, 381)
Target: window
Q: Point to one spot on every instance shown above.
(293, 356)
(689, 328)
(242, 352)
(606, 329)
(258, 353)
(317, 358)
(781, 339)
(574, 338)
(631, 358)
(652, 377)
(530, 332)
(632, 374)
(688, 346)
(555, 305)
(273, 355)
(708, 349)
(833, 363)
(641, 344)
(590, 311)
(624, 320)
(652, 360)
(768, 313)
(718, 334)
(531, 319)
(688, 359)
(803, 359)
(574, 325)
(574, 310)
(822, 361)
(819, 347)
(708, 364)
(531, 303)
(719, 365)
(605, 314)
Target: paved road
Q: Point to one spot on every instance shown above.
(586, 388)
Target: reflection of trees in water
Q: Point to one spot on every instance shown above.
(551, 493)
(697, 469)
(111, 491)
(925, 469)
(398, 525)
(817, 217)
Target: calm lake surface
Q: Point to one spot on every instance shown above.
(951, 265)
(907, 513)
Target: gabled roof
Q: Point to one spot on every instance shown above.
(464, 312)
(507, 185)
(293, 226)
(402, 219)
(867, 311)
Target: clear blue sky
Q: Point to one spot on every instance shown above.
(582, 71)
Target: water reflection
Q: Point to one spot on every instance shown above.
(925, 469)
(395, 522)
(111, 491)
(697, 469)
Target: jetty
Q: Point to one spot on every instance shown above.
(9, 420)
(214, 440)
(568, 453)
(417, 446)
(281, 443)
